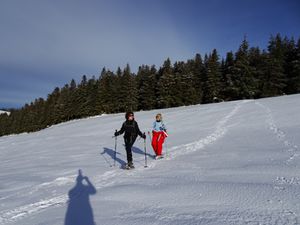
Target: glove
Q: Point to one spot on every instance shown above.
(144, 136)
(116, 133)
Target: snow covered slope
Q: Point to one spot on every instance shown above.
(226, 163)
(2, 112)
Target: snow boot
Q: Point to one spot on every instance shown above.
(131, 166)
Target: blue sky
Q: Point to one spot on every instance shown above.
(46, 43)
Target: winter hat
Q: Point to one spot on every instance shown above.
(127, 114)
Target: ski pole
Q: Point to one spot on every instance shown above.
(150, 136)
(166, 150)
(145, 152)
(115, 155)
(166, 143)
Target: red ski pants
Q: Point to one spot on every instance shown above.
(158, 138)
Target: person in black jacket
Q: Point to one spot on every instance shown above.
(132, 130)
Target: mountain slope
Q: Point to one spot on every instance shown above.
(227, 163)
(2, 112)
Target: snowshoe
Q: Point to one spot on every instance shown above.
(128, 166)
(131, 166)
(159, 157)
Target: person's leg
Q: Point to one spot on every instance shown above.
(160, 141)
(154, 141)
(128, 146)
(129, 153)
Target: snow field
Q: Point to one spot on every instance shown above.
(227, 163)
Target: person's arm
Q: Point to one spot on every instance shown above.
(139, 131)
(121, 131)
(91, 189)
(164, 127)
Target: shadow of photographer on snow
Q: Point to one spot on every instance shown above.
(79, 211)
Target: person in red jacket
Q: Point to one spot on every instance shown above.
(159, 133)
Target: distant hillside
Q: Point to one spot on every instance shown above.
(2, 112)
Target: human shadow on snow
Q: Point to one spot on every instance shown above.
(141, 152)
(111, 153)
(79, 211)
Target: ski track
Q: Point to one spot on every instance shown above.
(108, 178)
(280, 135)
(289, 147)
(220, 131)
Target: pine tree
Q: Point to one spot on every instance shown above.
(230, 91)
(256, 62)
(295, 72)
(51, 107)
(82, 97)
(290, 63)
(274, 78)
(106, 99)
(91, 97)
(245, 80)
(213, 75)
(185, 92)
(198, 72)
(128, 90)
(166, 82)
(146, 87)
(71, 105)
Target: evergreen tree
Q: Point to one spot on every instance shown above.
(198, 72)
(91, 97)
(245, 80)
(291, 59)
(106, 92)
(82, 97)
(166, 83)
(229, 91)
(295, 71)
(146, 87)
(213, 76)
(51, 107)
(185, 92)
(256, 62)
(71, 105)
(274, 78)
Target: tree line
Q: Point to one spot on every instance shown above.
(249, 73)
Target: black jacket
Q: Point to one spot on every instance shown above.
(131, 129)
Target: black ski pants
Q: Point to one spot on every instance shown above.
(129, 141)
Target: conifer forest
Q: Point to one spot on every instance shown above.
(248, 73)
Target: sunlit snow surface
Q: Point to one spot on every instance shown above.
(225, 163)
